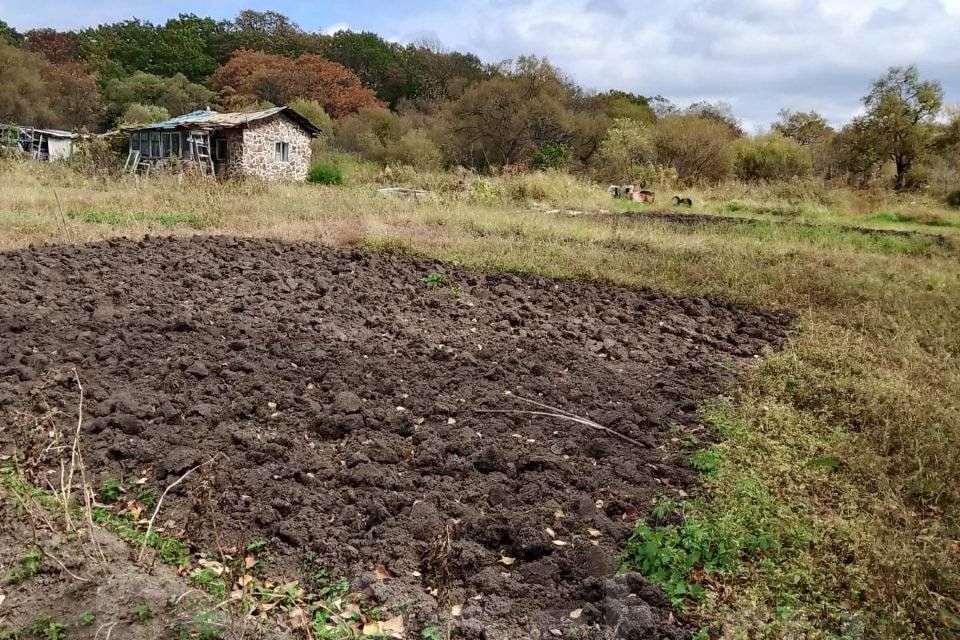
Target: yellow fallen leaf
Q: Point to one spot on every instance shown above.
(456, 610)
(561, 543)
(381, 572)
(594, 532)
(507, 560)
(249, 562)
(393, 626)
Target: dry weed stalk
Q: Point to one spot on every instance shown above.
(555, 412)
(156, 510)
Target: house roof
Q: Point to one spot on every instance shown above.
(207, 119)
(50, 133)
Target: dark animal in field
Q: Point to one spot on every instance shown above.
(682, 202)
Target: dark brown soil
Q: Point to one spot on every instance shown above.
(345, 397)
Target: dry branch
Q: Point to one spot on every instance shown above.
(555, 412)
(146, 537)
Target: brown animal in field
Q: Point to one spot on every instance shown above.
(684, 202)
(644, 196)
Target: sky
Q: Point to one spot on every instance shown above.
(758, 55)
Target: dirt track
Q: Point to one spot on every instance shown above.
(344, 394)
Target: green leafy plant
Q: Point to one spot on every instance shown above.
(550, 155)
(209, 581)
(434, 280)
(431, 633)
(325, 173)
(170, 550)
(110, 490)
(28, 567)
(48, 628)
(86, 618)
(144, 613)
(707, 460)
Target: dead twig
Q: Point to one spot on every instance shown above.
(67, 236)
(555, 412)
(62, 566)
(146, 537)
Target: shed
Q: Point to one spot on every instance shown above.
(45, 145)
(273, 144)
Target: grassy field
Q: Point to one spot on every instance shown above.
(831, 502)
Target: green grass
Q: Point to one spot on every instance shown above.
(120, 218)
(27, 567)
(170, 550)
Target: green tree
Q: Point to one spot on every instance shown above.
(314, 112)
(177, 95)
(142, 114)
(806, 127)
(9, 35)
(625, 151)
(185, 44)
(771, 157)
(266, 31)
(620, 104)
(901, 114)
(379, 64)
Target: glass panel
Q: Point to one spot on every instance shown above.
(175, 143)
(155, 144)
(135, 141)
(164, 144)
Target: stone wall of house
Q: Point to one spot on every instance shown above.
(258, 157)
(233, 167)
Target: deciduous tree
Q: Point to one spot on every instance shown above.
(24, 98)
(252, 75)
(901, 112)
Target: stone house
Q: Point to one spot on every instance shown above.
(273, 144)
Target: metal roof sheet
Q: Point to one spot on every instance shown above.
(207, 119)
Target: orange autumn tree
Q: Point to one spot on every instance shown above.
(254, 76)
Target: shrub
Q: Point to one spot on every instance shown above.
(137, 113)
(550, 155)
(771, 158)
(699, 149)
(325, 173)
(953, 199)
(313, 111)
(624, 152)
(385, 137)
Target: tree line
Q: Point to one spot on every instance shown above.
(419, 105)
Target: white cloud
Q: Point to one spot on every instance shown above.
(759, 55)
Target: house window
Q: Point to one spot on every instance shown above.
(134, 142)
(165, 144)
(155, 144)
(281, 152)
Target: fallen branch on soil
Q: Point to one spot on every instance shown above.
(146, 537)
(555, 412)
